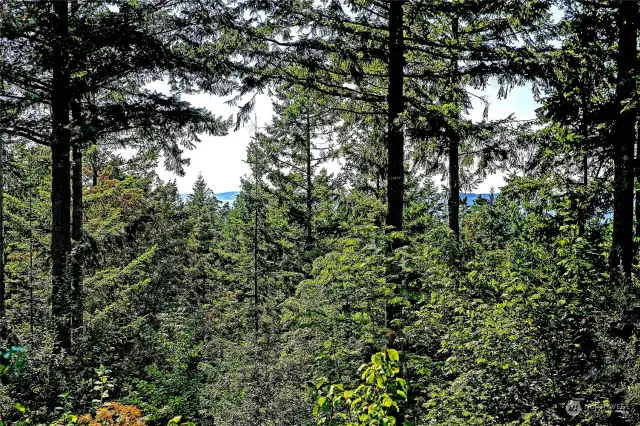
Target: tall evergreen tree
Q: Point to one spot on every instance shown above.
(297, 143)
(75, 41)
(623, 142)
(203, 209)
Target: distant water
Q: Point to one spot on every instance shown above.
(225, 197)
(230, 196)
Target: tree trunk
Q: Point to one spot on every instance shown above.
(76, 235)
(584, 132)
(256, 294)
(395, 136)
(454, 186)
(395, 164)
(256, 287)
(454, 149)
(623, 145)
(309, 217)
(31, 317)
(637, 172)
(3, 329)
(60, 173)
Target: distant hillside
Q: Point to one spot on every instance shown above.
(230, 196)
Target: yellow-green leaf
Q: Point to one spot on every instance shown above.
(393, 355)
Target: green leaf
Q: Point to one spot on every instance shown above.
(321, 401)
(376, 359)
(370, 377)
(19, 407)
(386, 401)
(393, 355)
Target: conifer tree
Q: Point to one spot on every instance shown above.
(296, 144)
(87, 93)
(577, 108)
(623, 143)
(203, 210)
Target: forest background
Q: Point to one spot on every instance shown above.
(365, 294)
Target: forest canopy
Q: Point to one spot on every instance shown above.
(361, 296)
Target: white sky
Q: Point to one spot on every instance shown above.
(520, 103)
(221, 159)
